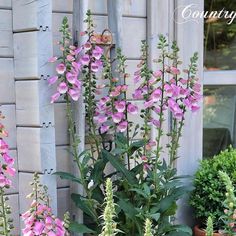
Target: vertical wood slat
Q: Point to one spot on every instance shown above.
(79, 10)
(36, 139)
(190, 151)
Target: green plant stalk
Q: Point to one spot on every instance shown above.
(209, 229)
(148, 228)
(4, 215)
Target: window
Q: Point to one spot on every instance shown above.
(219, 113)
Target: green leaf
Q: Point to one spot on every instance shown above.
(139, 191)
(84, 205)
(79, 228)
(68, 176)
(135, 146)
(155, 216)
(97, 171)
(128, 208)
(119, 166)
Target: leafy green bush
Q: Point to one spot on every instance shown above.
(209, 193)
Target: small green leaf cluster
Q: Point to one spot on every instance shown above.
(209, 192)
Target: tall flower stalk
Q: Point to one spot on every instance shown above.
(209, 229)
(148, 228)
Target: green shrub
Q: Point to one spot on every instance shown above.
(209, 193)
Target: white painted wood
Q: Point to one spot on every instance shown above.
(63, 201)
(31, 53)
(63, 164)
(101, 23)
(6, 39)
(226, 77)
(14, 203)
(33, 106)
(10, 124)
(25, 189)
(5, 4)
(15, 182)
(31, 15)
(61, 126)
(98, 7)
(191, 142)
(135, 8)
(62, 6)
(36, 145)
(7, 88)
(132, 37)
(56, 23)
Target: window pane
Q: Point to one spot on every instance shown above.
(220, 37)
(219, 119)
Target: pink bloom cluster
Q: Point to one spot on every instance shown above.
(7, 162)
(178, 93)
(69, 68)
(111, 110)
(42, 222)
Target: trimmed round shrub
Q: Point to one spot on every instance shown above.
(209, 194)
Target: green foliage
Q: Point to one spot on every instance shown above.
(209, 229)
(208, 194)
(6, 223)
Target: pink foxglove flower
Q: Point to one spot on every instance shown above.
(61, 68)
(120, 106)
(71, 78)
(174, 70)
(74, 94)
(55, 97)
(97, 52)
(104, 129)
(117, 117)
(53, 79)
(85, 59)
(122, 126)
(157, 74)
(132, 109)
(52, 59)
(62, 88)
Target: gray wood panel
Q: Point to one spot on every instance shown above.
(5, 4)
(62, 5)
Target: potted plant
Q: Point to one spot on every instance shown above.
(209, 194)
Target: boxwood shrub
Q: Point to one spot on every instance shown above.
(209, 194)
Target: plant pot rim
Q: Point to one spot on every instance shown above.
(200, 232)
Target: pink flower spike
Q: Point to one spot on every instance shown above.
(157, 74)
(85, 60)
(117, 117)
(61, 69)
(156, 123)
(62, 88)
(100, 119)
(78, 50)
(3, 147)
(124, 88)
(52, 59)
(122, 127)
(156, 94)
(95, 66)
(8, 160)
(174, 70)
(195, 107)
(137, 79)
(11, 171)
(137, 94)
(104, 129)
(183, 81)
(87, 46)
(74, 94)
(71, 77)
(97, 52)
(76, 66)
(52, 80)
(120, 106)
(55, 97)
(70, 58)
(132, 109)
(148, 104)
(38, 228)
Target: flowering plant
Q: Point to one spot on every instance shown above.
(39, 219)
(146, 185)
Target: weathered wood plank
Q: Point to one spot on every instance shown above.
(98, 7)
(31, 15)
(101, 23)
(5, 4)
(7, 88)
(62, 136)
(132, 37)
(62, 6)
(135, 8)
(6, 39)
(15, 182)
(63, 198)
(36, 145)
(33, 107)
(14, 203)
(31, 53)
(10, 123)
(63, 164)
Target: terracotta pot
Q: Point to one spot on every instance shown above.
(199, 232)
